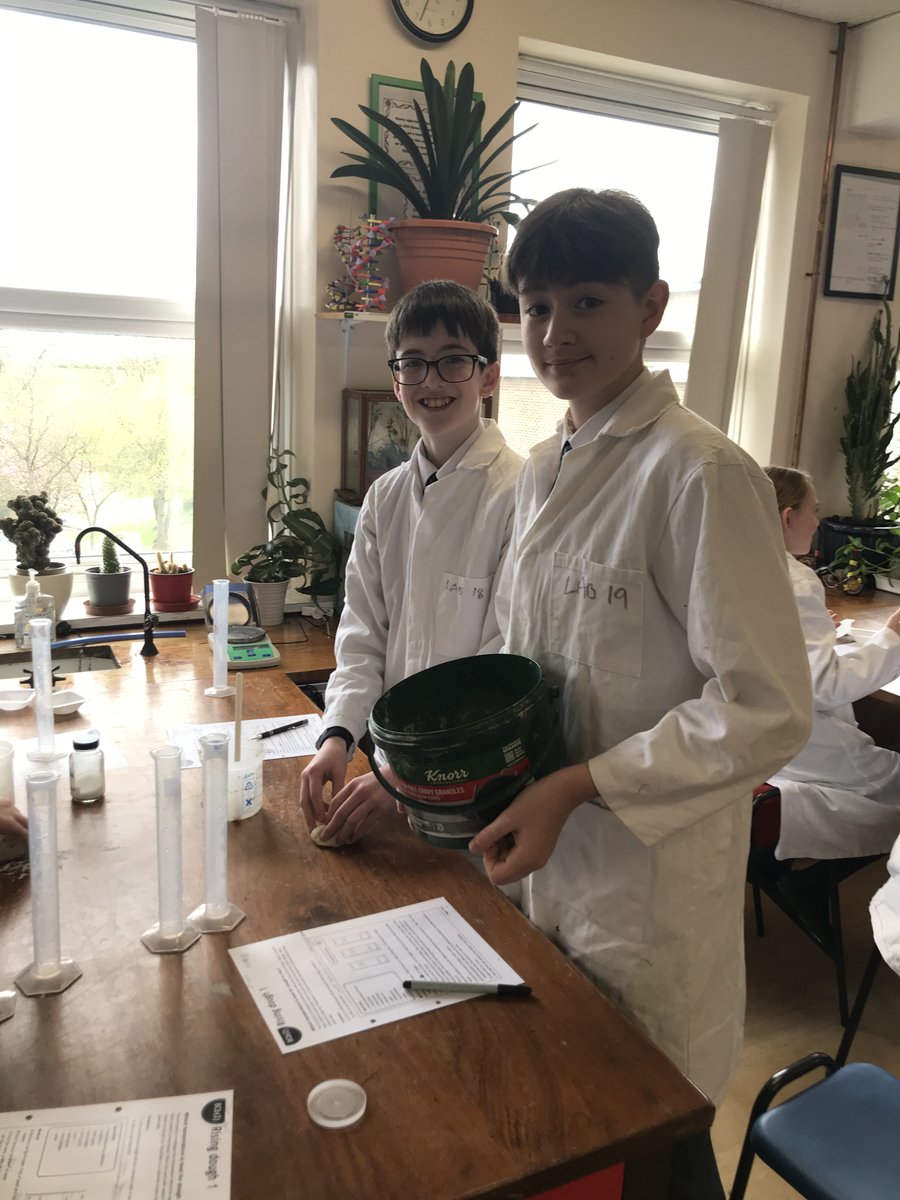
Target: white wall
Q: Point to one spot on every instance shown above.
(725, 45)
(841, 326)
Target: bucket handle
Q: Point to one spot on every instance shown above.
(386, 784)
(526, 778)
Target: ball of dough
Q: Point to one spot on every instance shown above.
(326, 843)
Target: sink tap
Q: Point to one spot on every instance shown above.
(148, 650)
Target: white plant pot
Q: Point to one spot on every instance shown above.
(270, 601)
(57, 584)
(885, 583)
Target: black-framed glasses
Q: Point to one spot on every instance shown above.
(452, 368)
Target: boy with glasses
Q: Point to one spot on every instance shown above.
(428, 542)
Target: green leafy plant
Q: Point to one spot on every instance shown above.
(300, 546)
(109, 557)
(451, 180)
(31, 530)
(855, 561)
(868, 424)
(889, 498)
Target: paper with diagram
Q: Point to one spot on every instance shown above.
(124, 1150)
(338, 979)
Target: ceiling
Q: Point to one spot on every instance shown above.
(854, 12)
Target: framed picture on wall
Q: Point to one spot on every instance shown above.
(395, 98)
(864, 234)
(378, 436)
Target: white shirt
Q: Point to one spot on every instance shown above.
(840, 796)
(420, 575)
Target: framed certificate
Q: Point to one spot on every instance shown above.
(864, 234)
(396, 98)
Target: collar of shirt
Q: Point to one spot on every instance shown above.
(598, 422)
(427, 468)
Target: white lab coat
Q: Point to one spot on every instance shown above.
(884, 910)
(840, 797)
(420, 575)
(649, 582)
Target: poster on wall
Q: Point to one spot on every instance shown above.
(395, 99)
(864, 234)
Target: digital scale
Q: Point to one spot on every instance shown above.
(248, 645)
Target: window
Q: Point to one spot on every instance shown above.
(97, 262)
(661, 145)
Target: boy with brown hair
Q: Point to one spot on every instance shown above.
(644, 542)
(429, 539)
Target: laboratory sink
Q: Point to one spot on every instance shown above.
(64, 662)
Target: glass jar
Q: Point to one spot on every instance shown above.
(86, 774)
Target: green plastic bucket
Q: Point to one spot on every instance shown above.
(463, 738)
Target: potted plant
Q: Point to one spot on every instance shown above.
(172, 585)
(32, 529)
(449, 183)
(299, 546)
(109, 585)
(857, 564)
(866, 442)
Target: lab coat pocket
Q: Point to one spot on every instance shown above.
(596, 614)
(461, 608)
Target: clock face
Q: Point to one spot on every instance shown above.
(434, 20)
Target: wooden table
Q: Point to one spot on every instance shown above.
(490, 1098)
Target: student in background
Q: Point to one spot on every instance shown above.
(840, 796)
(642, 545)
(428, 541)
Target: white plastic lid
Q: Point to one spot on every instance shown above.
(336, 1103)
(89, 739)
(32, 587)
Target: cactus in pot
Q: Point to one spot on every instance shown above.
(109, 585)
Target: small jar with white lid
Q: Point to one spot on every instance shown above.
(86, 773)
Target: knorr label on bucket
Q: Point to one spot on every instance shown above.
(461, 784)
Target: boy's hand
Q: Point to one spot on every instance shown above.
(328, 766)
(523, 837)
(12, 821)
(893, 621)
(356, 809)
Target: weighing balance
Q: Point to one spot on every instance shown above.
(248, 645)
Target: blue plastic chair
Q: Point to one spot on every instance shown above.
(837, 1140)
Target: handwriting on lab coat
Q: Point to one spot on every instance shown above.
(577, 585)
(460, 586)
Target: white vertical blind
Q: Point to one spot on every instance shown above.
(243, 111)
(730, 244)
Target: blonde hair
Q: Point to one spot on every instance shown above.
(791, 486)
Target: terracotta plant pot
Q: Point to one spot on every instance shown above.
(172, 589)
(454, 250)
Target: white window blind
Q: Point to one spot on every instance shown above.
(172, 17)
(630, 98)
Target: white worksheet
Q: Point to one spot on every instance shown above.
(175, 1146)
(296, 743)
(325, 983)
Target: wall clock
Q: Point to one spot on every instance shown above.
(434, 20)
